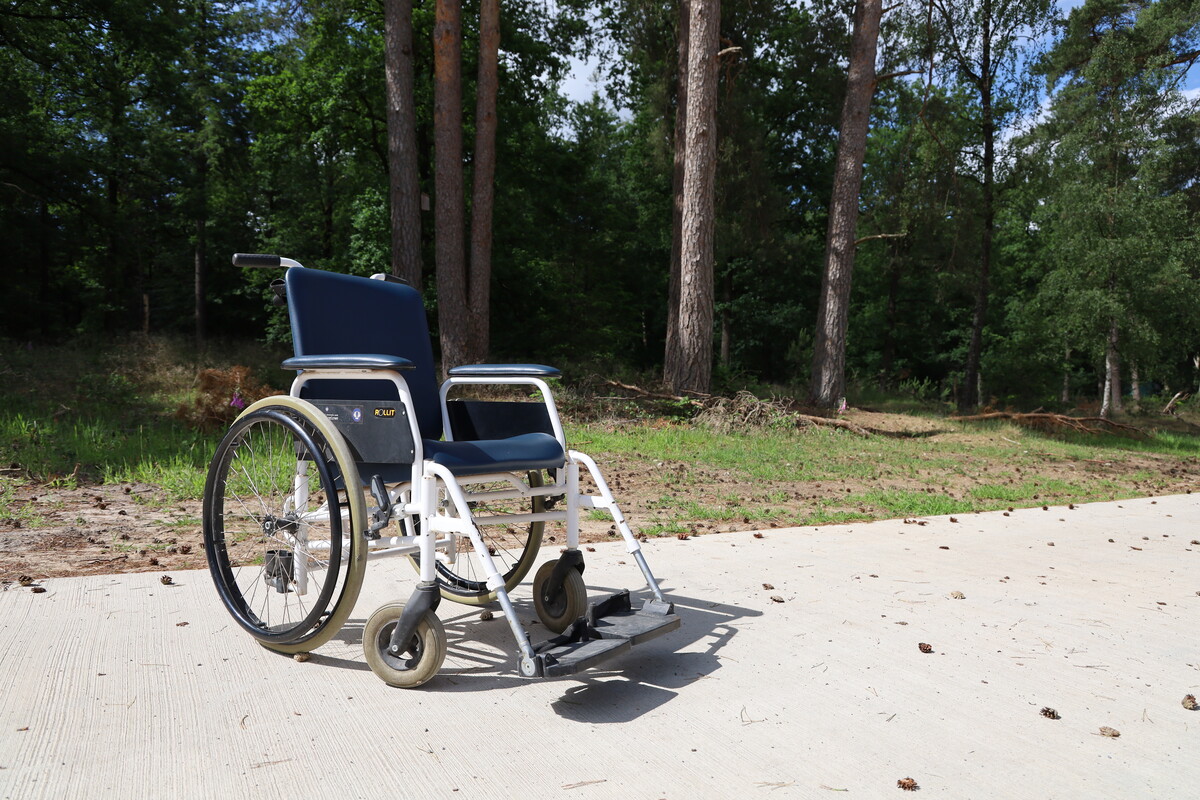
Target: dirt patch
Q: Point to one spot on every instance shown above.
(50, 531)
(899, 424)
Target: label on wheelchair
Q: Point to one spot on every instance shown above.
(376, 430)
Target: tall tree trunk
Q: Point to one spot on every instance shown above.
(1105, 385)
(684, 23)
(971, 398)
(479, 278)
(404, 187)
(828, 384)
(1112, 374)
(448, 181)
(688, 367)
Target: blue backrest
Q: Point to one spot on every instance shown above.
(335, 314)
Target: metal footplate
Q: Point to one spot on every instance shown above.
(608, 629)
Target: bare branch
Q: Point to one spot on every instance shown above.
(901, 74)
(20, 189)
(1184, 58)
(964, 62)
(860, 240)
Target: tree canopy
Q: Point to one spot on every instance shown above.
(1037, 165)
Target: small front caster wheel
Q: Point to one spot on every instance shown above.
(419, 661)
(557, 610)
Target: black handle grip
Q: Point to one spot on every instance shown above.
(255, 260)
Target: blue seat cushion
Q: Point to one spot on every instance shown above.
(529, 451)
(524, 452)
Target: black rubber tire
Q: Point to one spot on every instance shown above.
(419, 662)
(514, 551)
(558, 613)
(250, 524)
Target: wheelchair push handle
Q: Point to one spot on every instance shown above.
(261, 260)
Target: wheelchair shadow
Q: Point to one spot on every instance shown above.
(481, 656)
(655, 673)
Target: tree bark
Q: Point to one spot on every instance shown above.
(404, 187)
(688, 366)
(828, 385)
(684, 22)
(448, 181)
(1112, 374)
(479, 277)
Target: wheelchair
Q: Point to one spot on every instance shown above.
(367, 457)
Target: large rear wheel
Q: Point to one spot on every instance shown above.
(282, 535)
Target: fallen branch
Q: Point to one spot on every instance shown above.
(1179, 397)
(830, 422)
(1047, 420)
(656, 395)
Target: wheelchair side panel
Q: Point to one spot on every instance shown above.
(377, 431)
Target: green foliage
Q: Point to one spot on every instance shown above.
(912, 291)
(1109, 231)
(139, 140)
(89, 413)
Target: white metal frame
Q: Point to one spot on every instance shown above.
(418, 498)
(444, 523)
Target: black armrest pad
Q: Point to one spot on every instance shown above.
(504, 371)
(349, 361)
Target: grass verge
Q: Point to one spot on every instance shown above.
(78, 415)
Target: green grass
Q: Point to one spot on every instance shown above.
(768, 455)
(11, 510)
(1009, 494)
(106, 414)
(1048, 490)
(80, 414)
(663, 528)
(901, 503)
(160, 452)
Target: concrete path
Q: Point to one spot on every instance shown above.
(120, 687)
